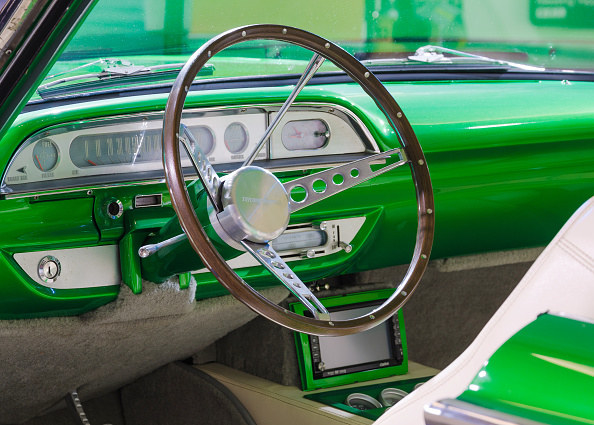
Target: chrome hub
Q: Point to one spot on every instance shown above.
(255, 205)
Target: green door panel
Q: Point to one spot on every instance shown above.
(545, 373)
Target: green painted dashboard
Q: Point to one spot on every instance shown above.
(509, 160)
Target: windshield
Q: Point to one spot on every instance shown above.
(127, 36)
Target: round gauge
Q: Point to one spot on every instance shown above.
(205, 138)
(45, 155)
(305, 135)
(236, 138)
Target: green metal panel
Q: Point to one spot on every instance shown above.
(38, 224)
(545, 372)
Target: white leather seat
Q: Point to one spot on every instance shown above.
(560, 281)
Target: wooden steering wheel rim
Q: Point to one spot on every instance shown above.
(198, 238)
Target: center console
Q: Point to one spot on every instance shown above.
(296, 378)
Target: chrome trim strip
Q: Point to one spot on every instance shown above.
(341, 112)
(457, 412)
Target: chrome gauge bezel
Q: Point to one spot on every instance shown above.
(37, 161)
(150, 171)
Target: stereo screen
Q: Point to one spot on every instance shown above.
(369, 346)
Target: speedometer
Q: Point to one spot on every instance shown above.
(91, 150)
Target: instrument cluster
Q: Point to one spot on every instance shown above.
(110, 150)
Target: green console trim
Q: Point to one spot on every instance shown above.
(337, 398)
(303, 344)
(545, 373)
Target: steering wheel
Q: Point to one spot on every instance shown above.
(252, 207)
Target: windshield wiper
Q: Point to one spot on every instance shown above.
(120, 69)
(435, 54)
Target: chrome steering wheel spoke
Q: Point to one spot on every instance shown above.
(337, 179)
(270, 259)
(209, 178)
(314, 64)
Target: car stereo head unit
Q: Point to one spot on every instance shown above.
(376, 353)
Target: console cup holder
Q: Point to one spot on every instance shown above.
(388, 397)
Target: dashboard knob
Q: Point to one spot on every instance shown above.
(346, 246)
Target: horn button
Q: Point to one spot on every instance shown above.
(255, 205)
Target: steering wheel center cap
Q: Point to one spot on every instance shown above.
(255, 205)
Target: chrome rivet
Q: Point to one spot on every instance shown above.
(367, 74)
(284, 30)
(296, 285)
(399, 114)
(404, 293)
(429, 211)
(209, 53)
(331, 323)
(323, 225)
(327, 45)
(8, 52)
(420, 162)
(186, 88)
(243, 110)
(423, 256)
(277, 265)
(89, 192)
(289, 276)
(243, 33)
(372, 317)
